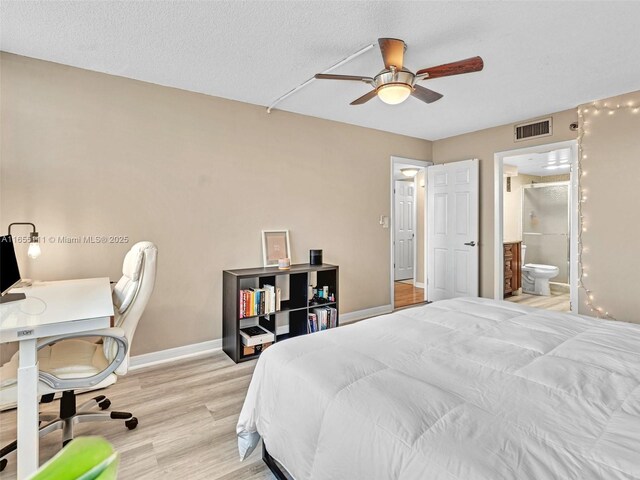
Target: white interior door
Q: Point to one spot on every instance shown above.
(452, 230)
(404, 234)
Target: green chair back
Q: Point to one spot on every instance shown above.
(84, 458)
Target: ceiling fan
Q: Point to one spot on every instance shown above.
(395, 83)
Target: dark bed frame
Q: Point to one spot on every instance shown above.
(278, 470)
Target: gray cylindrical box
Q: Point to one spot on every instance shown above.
(315, 257)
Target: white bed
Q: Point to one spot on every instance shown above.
(459, 389)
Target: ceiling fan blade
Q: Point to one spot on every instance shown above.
(426, 95)
(392, 52)
(364, 98)
(474, 64)
(330, 76)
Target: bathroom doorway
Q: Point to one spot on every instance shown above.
(536, 248)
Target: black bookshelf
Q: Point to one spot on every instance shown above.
(296, 307)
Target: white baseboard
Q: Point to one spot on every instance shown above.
(419, 285)
(366, 313)
(173, 354)
(204, 348)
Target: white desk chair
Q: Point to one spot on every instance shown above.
(68, 364)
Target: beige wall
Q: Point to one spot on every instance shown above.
(611, 212)
(483, 144)
(85, 153)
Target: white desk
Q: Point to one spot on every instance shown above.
(51, 308)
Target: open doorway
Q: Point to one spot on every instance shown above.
(408, 228)
(537, 220)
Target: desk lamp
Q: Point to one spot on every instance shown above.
(34, 245)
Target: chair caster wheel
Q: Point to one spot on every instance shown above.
(3, 464)
(106, 403)
(132, 423)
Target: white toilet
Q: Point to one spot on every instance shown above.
(535, 277)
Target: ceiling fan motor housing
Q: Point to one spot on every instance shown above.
(389, 77)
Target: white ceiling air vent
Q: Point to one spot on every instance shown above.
(537, 128)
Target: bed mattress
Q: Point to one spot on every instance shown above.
(459, 389)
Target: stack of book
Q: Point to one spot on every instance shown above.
(255, 339)
(259, 301)
(321, 319)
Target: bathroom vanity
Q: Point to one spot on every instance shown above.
(512, 268)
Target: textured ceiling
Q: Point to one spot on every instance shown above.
(554, 162)
(540, 57)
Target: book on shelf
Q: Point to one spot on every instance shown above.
(312, 323)
(322, 319)
(259, 301)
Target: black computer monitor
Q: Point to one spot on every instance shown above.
(9, 271)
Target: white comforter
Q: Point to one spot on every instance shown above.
(460, 389)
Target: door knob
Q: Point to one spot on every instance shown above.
(471, 243)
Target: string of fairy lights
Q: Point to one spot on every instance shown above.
(596, 108)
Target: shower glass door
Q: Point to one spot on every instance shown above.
(545, 226)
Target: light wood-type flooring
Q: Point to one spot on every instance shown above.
(187, 411)
(557, 301)
(406, 294)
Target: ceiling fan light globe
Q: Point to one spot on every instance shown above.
(394, 94)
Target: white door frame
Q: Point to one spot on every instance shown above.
(498, 264)
(421, 164)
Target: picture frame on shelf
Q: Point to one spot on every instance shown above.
(275, 246)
